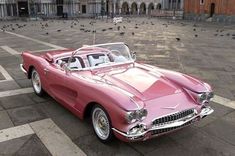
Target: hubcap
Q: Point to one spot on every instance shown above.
(100, 123)
(36, 82)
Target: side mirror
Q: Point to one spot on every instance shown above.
(133, 55)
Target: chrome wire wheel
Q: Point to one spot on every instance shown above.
(36, 82)
(101, 123)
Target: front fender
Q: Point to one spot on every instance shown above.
(186, 81)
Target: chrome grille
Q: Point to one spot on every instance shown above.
(172, 117)
(161, 131)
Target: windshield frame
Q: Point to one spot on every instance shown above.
(131, 61)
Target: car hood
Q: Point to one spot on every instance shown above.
(141, 83)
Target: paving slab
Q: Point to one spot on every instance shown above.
(53, 109)
(92, 146)
(2, 77)
(5, 121)
(12, 146)
(34, 147)
(158, 145)
(55, 139)
(198, 142)
(39, 99)
(222, 129)
(24, 83)
(26, 114)
(72, 125)
(8, 85)
(15, 101)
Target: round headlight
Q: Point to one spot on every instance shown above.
(136, 115)
(202, 97)
(210, 95)
(142, 114)
(131, 117)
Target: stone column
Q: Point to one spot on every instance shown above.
(114, 8)
(4, 10)
(182, 5)
(171, 5)
(29, 11)
(0, 10)
(11, 9)
(120, 10)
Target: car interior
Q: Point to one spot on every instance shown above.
(76, 63)
(97, 59)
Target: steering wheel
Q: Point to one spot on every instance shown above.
(115, 51)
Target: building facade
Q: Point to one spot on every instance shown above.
(211, 10)
(53, 8)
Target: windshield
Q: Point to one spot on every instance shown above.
(107, 54)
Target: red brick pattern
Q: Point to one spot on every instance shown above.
(223, 7)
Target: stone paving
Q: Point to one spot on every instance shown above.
(204, 50)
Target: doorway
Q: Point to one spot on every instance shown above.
(23, 9)
(83, 9)
(107, 7)
(212, 10)
(59, 7)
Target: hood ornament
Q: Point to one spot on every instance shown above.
(172, 107)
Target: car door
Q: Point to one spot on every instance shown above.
(61, 85)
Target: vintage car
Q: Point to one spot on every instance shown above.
(132, 101)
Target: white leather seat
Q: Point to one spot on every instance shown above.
(96, 62)
(120, 59)
(75, 64)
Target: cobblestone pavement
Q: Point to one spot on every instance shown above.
(204, 50)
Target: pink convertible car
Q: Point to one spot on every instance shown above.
(132, 101)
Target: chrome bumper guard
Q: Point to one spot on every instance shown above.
(22, 68)
(190, 118)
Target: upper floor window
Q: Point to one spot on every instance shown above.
(202, 2)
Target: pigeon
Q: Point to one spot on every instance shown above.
(124, 27)
(196, 35)
(103, 29)
(178, 39)
(133, 33)
(136, 27)
(194, 29)
(118, 28)
(122, 33)
(110, 28)
(228, 34)
(94, 31)
(47, 33)
(59, 30)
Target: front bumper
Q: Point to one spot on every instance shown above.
(165, 128)
(22, 68)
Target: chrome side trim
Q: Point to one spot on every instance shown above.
(204, 112)
(22, 68)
